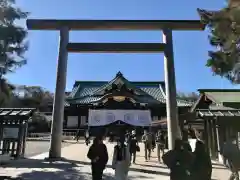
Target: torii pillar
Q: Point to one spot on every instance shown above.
(167, 47)
(59, 98)
(170, 83)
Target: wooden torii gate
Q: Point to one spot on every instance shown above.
(64, 26)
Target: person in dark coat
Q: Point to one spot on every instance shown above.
(99, 157)
(187, 146)
(231, 153)
(111, 137)
(133, 146)
(127, 137)
(202, 166)
(153, 141)
(87, 138)
(179, 161)
(160, 141)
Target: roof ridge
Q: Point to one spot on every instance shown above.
(218, 90)
(103, 86)
(92, 81)
(74, 91)
(118, 76)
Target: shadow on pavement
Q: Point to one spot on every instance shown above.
(64, 170)
(131, 169)
(70, 175)
(154, 157)
(218, 166)
(59, 170)
(153, 166)
(66, 165)
(147, 171)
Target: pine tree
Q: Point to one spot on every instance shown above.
(224, 26)
(12, 42)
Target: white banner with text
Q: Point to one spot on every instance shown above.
(134, 117)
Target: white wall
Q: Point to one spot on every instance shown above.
(72, 121)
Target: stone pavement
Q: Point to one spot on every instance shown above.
(76, 166)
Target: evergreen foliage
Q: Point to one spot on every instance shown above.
(224, 26)
(12, 43)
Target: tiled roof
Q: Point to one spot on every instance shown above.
(222, 95)
(220, 107)
(85, 100)
(216, 113)
(16, 111)
(87, 92)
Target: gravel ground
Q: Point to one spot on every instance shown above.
(38, 147)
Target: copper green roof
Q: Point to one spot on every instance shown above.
(220, 96)
(221, 99)
(218, 113)
(89, 92)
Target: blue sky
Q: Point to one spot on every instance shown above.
(190, 48)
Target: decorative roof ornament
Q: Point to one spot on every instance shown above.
(119, 74)
(119, 98)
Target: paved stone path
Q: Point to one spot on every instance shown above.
(77, 167)
(38, 146)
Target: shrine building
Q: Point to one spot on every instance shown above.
(117, 102)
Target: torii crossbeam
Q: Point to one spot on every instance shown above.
(64, 26)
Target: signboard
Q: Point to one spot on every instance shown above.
(133, 117)
(10, 133)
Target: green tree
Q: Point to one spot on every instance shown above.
(34, 97)
(188, 96)
(12, 43)
(224, 26)
(6, 92)
(39, 123)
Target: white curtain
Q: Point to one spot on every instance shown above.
(134, 117)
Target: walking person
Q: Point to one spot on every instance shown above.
(153, 141)
(232, 154)
(160, 141)
(78, 135)
(121, 160)
(202, 165)
(179, 161)
(87, 137)
(111, 137)
(133, 147)
(128, 136)
(147, 140)
(99, 157)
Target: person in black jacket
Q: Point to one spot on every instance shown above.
(160, 141)
(133, 146)
(179, 161)
(78, 133)
(202, 166)
(99, 157)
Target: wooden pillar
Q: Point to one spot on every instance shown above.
(59, 98)
(24, 138)
(220, 139)
(237, 137)
(171, 103)
(210, 139)
(214, 139)
(19, 141)
(206, 134)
